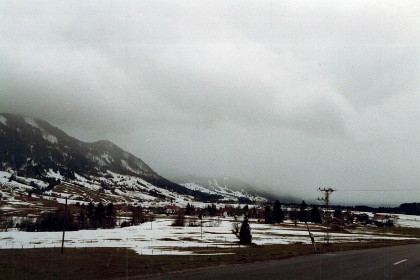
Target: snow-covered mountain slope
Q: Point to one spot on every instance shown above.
(23, 196)
(231, 189)
(33, 148)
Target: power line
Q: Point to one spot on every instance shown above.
(387, 190)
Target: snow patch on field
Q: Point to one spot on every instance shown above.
(411, 221)
(28, 181)
(159, 237)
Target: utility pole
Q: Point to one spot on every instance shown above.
(200, 216)
(311, 236)
(64, 228)
(326, 201)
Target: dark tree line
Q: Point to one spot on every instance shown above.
(274, 216)
(138, 215)
(312, 216)
(190, 210)
(52, 221)
(405, 208)
(409, 208)
(97, 216)
(212, 210)
(89, 217)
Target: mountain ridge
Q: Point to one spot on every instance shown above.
(34, 148)
(223, 185)
(26, 139)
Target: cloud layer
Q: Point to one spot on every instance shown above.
(288, 95)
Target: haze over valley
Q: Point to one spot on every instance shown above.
(285, 96)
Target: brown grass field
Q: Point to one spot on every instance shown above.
(120, 263)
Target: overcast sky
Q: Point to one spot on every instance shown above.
(287, 95)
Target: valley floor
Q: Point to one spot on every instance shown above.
(161, 238)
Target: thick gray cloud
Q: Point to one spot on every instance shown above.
(288, 95)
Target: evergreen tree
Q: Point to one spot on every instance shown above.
(138, 216)
(315, 216)
(110, 215)
(91, 210)
(56, 221)
(91, 215)
(1, 218)
(303, 206)
(278, 215)
(338, 213)
(268, 215)
(82, 219)
(254, 212)
(245, 236)
(212, 210)
(100, 214)
(294, 216)
(188, 209)
(245, 210)
(180, 220)
(303, 213)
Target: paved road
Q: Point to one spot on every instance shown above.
(399, 262)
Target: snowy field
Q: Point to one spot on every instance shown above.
(410, 221)
(159, 237)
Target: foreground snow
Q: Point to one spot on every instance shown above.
(159, 237)
(411, 221)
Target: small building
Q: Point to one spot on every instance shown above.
(172, 209)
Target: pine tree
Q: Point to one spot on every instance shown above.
(294, 216)
(245, 236)
(315, 216)
(100, 214)
(338, 213)
(278, 215)
(1, 217)
(138, 216)
(180, 220)
(110, 215)
(212, 210)
(91, 215)
(303, 206)
(188, 209)
(245, 209)
(90, 210)
(81, 219)
(268, 215)
(303, 213)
